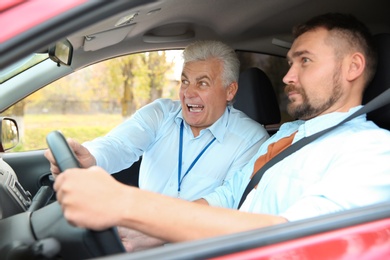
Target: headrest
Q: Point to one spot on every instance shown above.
(256, 97)
(380, 82)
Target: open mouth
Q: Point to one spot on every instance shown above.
(195, 108)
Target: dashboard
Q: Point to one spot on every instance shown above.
(33, 227)
(13, 198)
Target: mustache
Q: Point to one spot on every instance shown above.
(289, 87)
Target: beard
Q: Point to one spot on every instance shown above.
(309, 109)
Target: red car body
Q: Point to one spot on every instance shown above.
(20, 16)
(370, 239)
(366, 241)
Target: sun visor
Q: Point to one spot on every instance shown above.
(107, 38)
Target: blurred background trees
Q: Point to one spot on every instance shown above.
(91, 101)
(120, 85)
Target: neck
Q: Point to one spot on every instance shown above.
(195, 130)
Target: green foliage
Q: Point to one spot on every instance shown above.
(90, 102)
(79, 127)
(121, 84)
(142, 78)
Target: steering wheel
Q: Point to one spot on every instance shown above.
(76, 243)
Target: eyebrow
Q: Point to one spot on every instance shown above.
(197, 79)
(298, 54)
(203, 77)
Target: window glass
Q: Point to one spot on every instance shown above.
(90, 102)
(21, 65)
(93, 100)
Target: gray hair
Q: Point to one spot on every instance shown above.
(203, 50)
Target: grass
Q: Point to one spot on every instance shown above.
(79, 127)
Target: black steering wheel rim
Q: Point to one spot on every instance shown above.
(49, 221)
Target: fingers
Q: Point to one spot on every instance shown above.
(53, 165)
(85, 158)
(55, 170)
(74, 145)
(59, 188)
(64, 186)
(134, 240)
(49, 155)
(77, 188)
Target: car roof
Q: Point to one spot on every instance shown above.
(255, 25)
(100, 30)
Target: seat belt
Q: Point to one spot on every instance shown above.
(381, 100)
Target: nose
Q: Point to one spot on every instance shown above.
(190, 91)
(290, 77)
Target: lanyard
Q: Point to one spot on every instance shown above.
(180, 180)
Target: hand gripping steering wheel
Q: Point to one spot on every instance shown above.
(95, 243)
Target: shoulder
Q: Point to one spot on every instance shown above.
(242, 126)
(360, 127)
(238, 117)
(165, 104)
(358, 139)
(162, 105)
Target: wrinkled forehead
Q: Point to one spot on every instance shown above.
(210, 68)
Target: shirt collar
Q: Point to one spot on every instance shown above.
(320, 123)
(218, 129)
(317, 124)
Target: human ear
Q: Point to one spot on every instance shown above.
(357, 64)
(231, 91)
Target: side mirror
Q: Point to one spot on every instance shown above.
(61, 52)
(9, 134)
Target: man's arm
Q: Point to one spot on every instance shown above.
(170, 219)
(135, 241)
(177, 220)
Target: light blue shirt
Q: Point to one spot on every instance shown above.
(153, 133)
(346, 168)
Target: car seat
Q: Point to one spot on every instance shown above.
(380, 82)
(257, 99)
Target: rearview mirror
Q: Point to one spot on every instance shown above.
(61, 52)
(9, 134)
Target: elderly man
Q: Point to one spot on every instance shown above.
(188, 147)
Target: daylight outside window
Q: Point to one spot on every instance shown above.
(90, 102)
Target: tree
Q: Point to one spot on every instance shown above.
(121, 74)
(128, 81)
(154, 73)
(142, 75)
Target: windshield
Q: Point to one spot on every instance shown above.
(22, 65)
